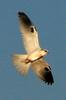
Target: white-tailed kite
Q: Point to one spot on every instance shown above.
(35, 54)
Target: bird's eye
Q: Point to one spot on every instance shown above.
(31, 29)
(46, 50)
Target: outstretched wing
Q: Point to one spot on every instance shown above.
(43, 71)
(29, 33)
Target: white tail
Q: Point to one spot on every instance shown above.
(21, 65)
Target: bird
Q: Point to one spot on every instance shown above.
(34, 56)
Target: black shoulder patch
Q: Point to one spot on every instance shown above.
(32, 29)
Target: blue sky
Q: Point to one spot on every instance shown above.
(50, 18)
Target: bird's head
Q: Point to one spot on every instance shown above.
(43, 52)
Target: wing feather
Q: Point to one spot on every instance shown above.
(43, 71)
(29, 33)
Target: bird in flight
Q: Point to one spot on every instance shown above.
(35, 53)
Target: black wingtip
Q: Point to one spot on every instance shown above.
(21, 13)
(47, 76)
(24, 18)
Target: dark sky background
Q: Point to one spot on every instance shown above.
(50, 18)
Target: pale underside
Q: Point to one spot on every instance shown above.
(31, 44)
(29, 35)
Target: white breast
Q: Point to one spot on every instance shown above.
(35, 55)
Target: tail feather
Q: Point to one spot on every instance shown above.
(21, 65)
